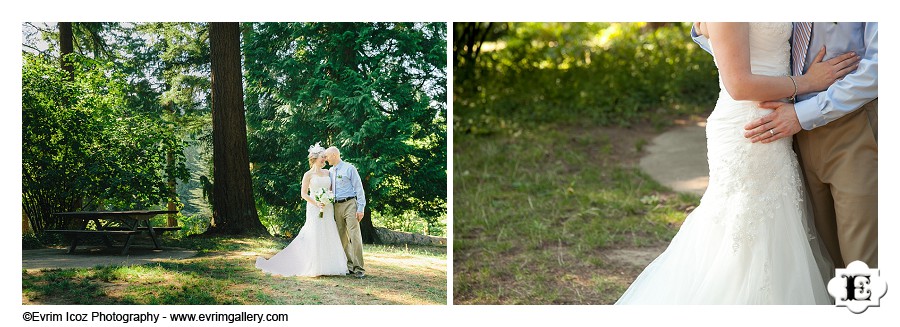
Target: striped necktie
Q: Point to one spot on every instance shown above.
(799, 46)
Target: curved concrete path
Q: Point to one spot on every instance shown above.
(677, 159)
(88, 257)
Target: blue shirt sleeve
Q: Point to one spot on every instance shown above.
(358, 187)
(848, 94)
(702, 41)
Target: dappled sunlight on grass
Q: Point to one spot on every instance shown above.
(393, 297)
(398, 275)
(392, 279)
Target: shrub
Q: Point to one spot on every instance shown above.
(583, 73)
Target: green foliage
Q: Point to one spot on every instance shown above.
(281, 221)
(382, 101)
(584, 73)
(375, 90)
(30, 241)
(90, 39)
(410, 223)
(83, 147)
(167, 65)
(190, 224)
(172, 61)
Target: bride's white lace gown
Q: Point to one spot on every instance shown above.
(746, 243)
(317, 248)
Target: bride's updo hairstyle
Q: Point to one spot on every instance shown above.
(315, 152)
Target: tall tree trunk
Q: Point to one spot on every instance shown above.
(468, 45)
(65, 47)
(366, 228)
(170, 163)
(26, 227)
(234, 211)
(170, 220)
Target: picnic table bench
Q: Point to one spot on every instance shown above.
(109, 223)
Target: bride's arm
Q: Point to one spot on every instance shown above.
(331, 178)
(731, 44)
(304, 189)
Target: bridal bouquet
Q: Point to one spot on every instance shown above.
(323, 195)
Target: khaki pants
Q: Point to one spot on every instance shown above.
(840, 162)
(348, 230)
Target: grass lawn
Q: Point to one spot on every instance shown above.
(539, 212)
(223, 273)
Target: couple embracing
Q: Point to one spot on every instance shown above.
(330, 242)
(770, 226)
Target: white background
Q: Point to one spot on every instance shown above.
(450, 11)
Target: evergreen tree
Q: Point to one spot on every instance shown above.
(168, 66)
(377, 91)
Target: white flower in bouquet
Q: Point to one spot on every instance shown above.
(323, 195)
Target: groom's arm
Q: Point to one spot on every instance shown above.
(360, 193)
(841, 98)
(848, 94)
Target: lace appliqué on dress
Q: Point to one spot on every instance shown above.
(752, 180)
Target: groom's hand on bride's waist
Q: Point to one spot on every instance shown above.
(779, 124)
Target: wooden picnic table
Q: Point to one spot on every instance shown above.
(107, 223)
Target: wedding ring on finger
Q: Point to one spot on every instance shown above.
(772, 131)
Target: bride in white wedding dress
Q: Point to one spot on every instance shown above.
(317, 249)
(747, 242)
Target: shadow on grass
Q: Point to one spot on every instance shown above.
(225, 274)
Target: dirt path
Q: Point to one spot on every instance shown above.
(87, 257)
(634, 257)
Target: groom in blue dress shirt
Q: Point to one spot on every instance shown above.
(349, 207)
(836, 137)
